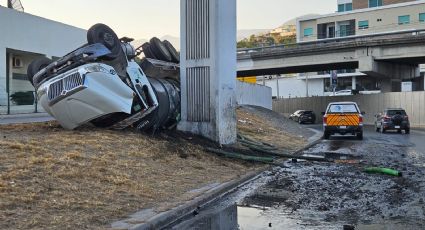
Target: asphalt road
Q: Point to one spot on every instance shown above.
(317, 195)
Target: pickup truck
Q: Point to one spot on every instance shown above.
(101, 83)
(343, 118)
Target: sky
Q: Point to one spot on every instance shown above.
(148, 18)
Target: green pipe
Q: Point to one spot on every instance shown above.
(386, 171)
(241, 156)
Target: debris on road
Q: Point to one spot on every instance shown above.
(386, 171)
(267, 160)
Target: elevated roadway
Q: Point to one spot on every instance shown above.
(395, 55)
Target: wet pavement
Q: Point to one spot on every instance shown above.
(331, 195)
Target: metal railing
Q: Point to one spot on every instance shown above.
(331, 40)
(18, 104)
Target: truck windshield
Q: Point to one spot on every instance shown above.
(343, 108)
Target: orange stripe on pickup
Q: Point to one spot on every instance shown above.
(343, 119)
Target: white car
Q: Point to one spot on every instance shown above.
(345, 92)
(101, 83)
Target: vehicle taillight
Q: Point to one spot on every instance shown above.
(361, 119)
(325, 120)
(386, 118)
(406, 117)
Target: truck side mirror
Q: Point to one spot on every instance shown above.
(363, 113)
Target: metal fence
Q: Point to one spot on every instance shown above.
(19, 103)
(412, 102)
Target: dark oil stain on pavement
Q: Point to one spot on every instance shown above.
(312, 195)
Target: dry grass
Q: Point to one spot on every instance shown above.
(85, 179)
(258, 128)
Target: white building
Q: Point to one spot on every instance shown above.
(354, 18)
(24, 37)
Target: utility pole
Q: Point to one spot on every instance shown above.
(306, 85)
(277, 85)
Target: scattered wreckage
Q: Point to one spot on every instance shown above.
(101, 83)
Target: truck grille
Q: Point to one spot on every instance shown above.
(65, 85)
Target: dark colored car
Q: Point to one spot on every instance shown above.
(305, 116)
(392, 119)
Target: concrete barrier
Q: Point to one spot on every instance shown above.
(412, 102)
(252, 94)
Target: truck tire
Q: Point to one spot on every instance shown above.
(175, 56)
(160, 50)
(326, 135)
(101, 33)
(35, 66)
(407, 131)
(147, 50)
(360, 136)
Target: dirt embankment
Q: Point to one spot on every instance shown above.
(51, 178)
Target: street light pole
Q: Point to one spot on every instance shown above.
(306, 85)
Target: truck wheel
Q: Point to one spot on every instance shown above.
(36, 66)
(360, 136)
(159, 49)
(407, 131)
(101, 33)
(147, 50)
(175, 56)
(326, 135)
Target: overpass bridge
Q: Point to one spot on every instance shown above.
(394, 55)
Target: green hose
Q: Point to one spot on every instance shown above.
(386, 171)
(266, 160)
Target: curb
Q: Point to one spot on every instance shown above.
(167, 218)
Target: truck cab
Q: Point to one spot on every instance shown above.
(343, 118)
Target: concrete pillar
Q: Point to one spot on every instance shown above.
(208, 69)
(391, 70)
(354, 83)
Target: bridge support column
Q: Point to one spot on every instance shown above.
(391, 70)
(208, 69)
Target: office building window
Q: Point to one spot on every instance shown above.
(375, 3)
(308, 32)
(363, 25)
(422, 17)
(349, 7)
(405, 19)
(345, 7)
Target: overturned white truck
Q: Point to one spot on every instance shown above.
(101, 83)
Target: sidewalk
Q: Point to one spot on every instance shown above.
(25, 118)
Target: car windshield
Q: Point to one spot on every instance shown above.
(396, 112)
(343, 108)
